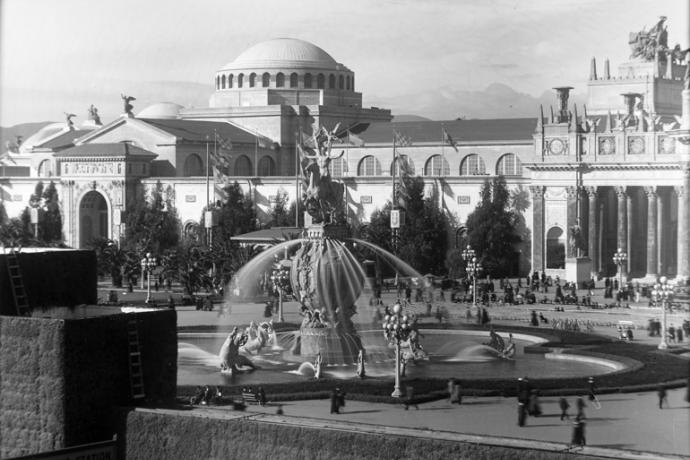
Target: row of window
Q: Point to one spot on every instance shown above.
(346, 82)
(472, 165)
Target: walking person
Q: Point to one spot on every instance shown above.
(563, 404)
(580, 405)
(578, 438)
(335, 402)
(261, 394)
(409, 396)
(661, 392)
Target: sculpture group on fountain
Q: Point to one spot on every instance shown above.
(250, 340)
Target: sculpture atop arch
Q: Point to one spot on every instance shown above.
(645, 44)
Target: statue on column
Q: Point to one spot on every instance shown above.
(68, 119)
(576, 241)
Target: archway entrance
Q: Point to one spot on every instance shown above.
(93, 218)
(555, 248)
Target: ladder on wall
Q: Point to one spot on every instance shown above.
(21, 301)
(136, 372)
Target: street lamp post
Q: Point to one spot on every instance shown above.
(662, 292)
(620, 258)
(148, 263)
(280, 277)
(473, 267)
(396, 329)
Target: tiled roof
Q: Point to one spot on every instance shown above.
(64, 140)
(504, 129)
(119, 149)
(200, 131)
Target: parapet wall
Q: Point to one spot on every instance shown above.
(52, 278)
(61, 378)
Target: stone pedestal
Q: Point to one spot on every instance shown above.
(578, 269)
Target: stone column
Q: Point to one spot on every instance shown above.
(571, 218)
(651, 232)
(622, 234)
(538, 256)
(628, 224)
(684, 224)
(592, 233)
(661, 240)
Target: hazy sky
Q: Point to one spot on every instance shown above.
(408, 55)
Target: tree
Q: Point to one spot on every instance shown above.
(280, 214)
(235, 214)
(152, 224)
(491, 229)
(423, 236)
(50, 220)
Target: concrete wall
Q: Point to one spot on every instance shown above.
(61, 378)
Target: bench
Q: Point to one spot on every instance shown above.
(250, 398)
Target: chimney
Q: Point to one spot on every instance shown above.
(593, 69)
(607, 70)
(563, 93)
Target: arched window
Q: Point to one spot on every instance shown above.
(191, 230)
(217, 82)
(341, 82)
(307, 80)
(265, 80)
(293, 80)
(353, 83)
(193, 166)
(472, 165)
(243, 166)
(267, 167)
(338, 167)
(280, 80)
(331, 81)
(403, 163)
(347, 82)
(252, 80)
(436, 165)
(222, 82)
(321, 81)
(555, 248)
(240, 80)
(45, 169)
(369, 166)
(230, 81)
(509, 165)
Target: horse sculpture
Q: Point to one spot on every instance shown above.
(258, 337)
(230, 358)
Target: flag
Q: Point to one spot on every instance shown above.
(223, 143)
(401, 140)
(354, 139)
(449, 140)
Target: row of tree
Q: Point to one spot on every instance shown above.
(203, 258)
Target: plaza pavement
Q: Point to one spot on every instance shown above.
(628, 425)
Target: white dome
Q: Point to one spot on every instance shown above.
(167, 110)
(283, 52)
(42, 135)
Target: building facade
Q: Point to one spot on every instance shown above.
(613, 169)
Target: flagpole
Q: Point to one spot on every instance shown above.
(207, 178)
(256, 156)
(443, 164)
(394, 172)
(297, 179)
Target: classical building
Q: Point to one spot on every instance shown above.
(614, 169)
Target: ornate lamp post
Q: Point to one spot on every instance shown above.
(662, 292)
(620, 258)
(280, 278)
(473, 267)
(148, 263)
(396, 329)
